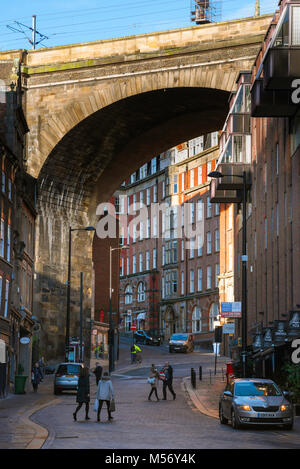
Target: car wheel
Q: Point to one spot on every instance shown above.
(223, 420)
(56, 391)
(289, 426)
(170, 350)
(234, 421)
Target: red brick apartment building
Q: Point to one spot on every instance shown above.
(168, 281)
(270, 156)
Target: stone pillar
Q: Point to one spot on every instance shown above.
(51, 267)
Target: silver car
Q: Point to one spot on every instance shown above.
(66, 377)
(252, 401)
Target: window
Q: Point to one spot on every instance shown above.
(182, 283)
(9, 189)
(175, 185)
(192, 212)
(192, 178)
(217, 275)
(163, 189)
(182, 250)
(200, 181)
(134, 234)
(148, 196)
(196, 320)
(163, 287)
(127, 266)
(192, 248)
(155, 194)
(182, 215)
(154, 232)
(141, 199)
(8, 242)
(148, 228)
(200, 244)
(163, 255)
(141, 262)
(6, 298)
(141, 230)
(208, 168)
(153, 165)
(217, 240)
(213, 315)
(128, 295)
(208, 277)
(200, 279)
(154, 258)
(147, 260)
(217, 209)
(122, 267)
(192, 281)
(134, 202)
(134, 264)
(208, 208)
(141, 292)
(2, 227)
(174, 282)
(208, 242)
(200, 210)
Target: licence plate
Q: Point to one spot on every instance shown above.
(71, 376)
(263, 415)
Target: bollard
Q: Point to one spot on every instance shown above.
(200, 373)
(209, 376)
(193, 378)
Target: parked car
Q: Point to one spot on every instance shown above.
(66, 377)
(255, 401)
(181, 342)
(142, 337)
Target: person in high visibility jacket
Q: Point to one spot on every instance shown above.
(134, 350)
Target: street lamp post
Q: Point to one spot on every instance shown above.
(111, 364)
(67, 342)
(217, 175)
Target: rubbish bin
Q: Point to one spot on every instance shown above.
(229, 372)
(20, 381)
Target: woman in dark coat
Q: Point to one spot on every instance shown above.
(35, 377)
(83, 392)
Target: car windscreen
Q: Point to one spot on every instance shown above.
(179, 337)
(68, 369)
(256, 389)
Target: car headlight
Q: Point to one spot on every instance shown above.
(244, 407)
(284, 407)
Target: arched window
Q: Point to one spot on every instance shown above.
(197, 319)
(141, 292)
(213, 315)
(128, 295)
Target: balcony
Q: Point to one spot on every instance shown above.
(221, 196)
(231, 180)
(281, 66)
(271, 103)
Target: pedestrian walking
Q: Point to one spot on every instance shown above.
(98, 372)
(42, 368)
(168, 381)
(83, 392)
(35, 377)
(153, 381)
(105, 393)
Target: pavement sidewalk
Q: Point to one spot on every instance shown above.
(205, 397)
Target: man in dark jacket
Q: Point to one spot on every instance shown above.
(98, 372)
(168, 370)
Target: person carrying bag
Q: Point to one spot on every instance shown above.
(153, 381)
(105, 393)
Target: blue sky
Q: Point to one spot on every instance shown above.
(71, 21)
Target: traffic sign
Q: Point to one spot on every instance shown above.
(133, 327)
